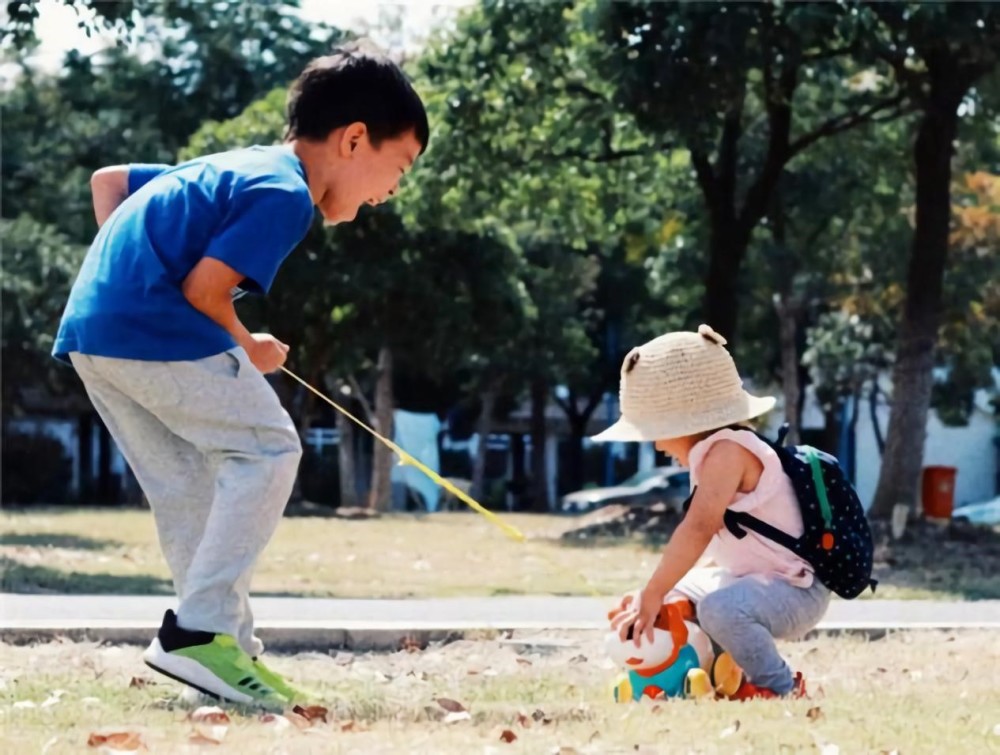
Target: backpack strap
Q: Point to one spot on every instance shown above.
(820, 485)
(737, 522)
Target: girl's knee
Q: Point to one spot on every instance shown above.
(715, 612)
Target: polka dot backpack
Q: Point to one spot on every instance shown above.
(837, 540)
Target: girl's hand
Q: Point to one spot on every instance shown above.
(640, 618)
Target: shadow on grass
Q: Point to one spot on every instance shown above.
(16, 577)
(954, 561)
(58, 540)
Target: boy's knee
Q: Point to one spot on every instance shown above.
(290, 451)
(280, 439)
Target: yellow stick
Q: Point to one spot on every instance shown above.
(406, 458)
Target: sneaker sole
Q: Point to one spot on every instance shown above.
(193, 674)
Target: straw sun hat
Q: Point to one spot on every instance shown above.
(681, 384)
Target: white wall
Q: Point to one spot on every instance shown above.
(970, 449)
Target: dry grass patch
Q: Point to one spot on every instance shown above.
(921, 692)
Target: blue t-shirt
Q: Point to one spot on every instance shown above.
(248, 208)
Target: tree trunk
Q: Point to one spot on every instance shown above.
(380, 496)
(789, 310)
(720, 307)
(105, 495)
(483, 427)
(578, 420)
(518, 483)
(852, 460)
(911, 376)
(539, 471)
(85, 448)
(873, 409)
(574, 456)
(346, 463)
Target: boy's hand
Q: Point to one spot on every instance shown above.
(266, 352)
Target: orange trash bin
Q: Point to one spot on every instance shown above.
(938, 491)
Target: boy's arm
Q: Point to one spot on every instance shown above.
(110, 186)
(207, 288)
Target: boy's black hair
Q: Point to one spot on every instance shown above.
(355, 83)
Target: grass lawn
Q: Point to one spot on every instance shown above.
(448, 554)
(917, 692)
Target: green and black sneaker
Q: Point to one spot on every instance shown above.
(214, 664)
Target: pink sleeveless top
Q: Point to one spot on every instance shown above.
(772, 501)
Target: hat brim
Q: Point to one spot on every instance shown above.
(627, 431)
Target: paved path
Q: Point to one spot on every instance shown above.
(314, 622)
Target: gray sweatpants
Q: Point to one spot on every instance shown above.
(216, 455)
(744, 615)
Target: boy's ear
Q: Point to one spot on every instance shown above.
(352, 136)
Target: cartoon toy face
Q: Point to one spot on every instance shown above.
(671, 632)
(652, 654)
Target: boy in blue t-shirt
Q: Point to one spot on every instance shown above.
(151, 329)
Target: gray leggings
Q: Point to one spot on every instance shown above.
(216, 455)
(744, 615)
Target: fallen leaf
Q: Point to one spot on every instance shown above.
(730, 730)
(882, 670)
(539, 715)
(655, 709)
(523, 661)
(197, 738)
(312, 712)
(210, 714)
(452, 706)
(578, 659)
(275, 722)
(523, 720)
(128, 741)
(139, 682)
(472, 672)
(300, 721)
(507, 736)
(411, 645)
(210, 724)
(815, 713)
(456, 716)
(352, 725)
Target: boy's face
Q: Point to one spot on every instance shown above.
(361, 173)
